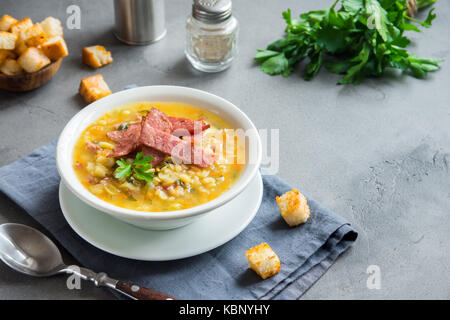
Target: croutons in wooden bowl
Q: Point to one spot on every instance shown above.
(29, 81)
(30, 54)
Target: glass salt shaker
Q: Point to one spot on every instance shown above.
(211, 35)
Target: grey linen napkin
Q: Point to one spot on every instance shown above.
(306, 252)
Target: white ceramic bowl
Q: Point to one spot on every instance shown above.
(156, 220)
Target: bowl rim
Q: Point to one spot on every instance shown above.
(26, 74)
(81, 191)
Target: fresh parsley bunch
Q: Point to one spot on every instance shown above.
(139, 168)
(361, 39)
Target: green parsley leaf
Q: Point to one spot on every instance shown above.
(123, 170)
(331, 38)
(139, 168)
(275, 65)
(427, 23)
(377, 17)
(359, 39)
(425, 3)
(353, 6)
(141, 174)
(431, 16)
(265, 54)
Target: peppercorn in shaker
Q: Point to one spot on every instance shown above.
(211, 35)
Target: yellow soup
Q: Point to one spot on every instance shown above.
(174, 186)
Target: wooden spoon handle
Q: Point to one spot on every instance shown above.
(140, 293)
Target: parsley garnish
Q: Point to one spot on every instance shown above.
(123, 126)
(139, 168)
(359, 40)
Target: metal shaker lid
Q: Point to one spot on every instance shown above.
(211, 11)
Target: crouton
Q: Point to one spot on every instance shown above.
(20, 46)
(263, 260)
(93, 88)
(293, 207)
(96, 56)
(33, 36)
(52, 27)
(7, 40)
(11, 68)
(6, 22)
(33, 59)
(55, 48)
(21, 25)
(6, 54)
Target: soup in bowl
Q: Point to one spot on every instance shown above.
(158, 157)
(105, 154)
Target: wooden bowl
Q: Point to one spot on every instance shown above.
(29, 81)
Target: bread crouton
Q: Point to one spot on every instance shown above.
(21, 25)
(55, 48)
(6, 54)
(93, 88)
(33, 59)
(293, 207)
(263, 260)
(7, 40)
(52, 27)
(96, 56)
(11, 68)
(6, 22)
(33, 36)
(20, 46)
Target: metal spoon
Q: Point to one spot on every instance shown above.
(28, 251)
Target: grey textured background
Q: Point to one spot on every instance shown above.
(378, 154)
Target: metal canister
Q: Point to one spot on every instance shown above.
(139, 22)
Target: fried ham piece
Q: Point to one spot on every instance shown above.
(185, 151)
(153, 136)
(183, 126)
(126, 140)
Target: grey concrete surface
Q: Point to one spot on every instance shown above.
(378, 154)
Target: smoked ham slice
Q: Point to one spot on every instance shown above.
(158, 120)
(185, 151)
(154, 136)
(158, 156)
(127, 140)
(184, 127)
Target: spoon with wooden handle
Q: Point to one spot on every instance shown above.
(28, 251)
